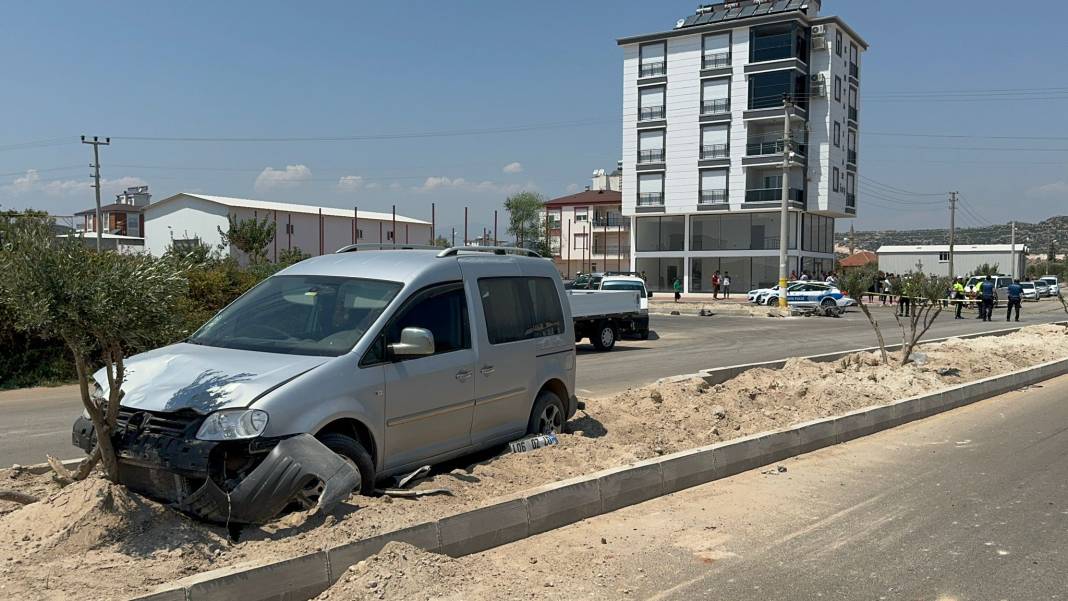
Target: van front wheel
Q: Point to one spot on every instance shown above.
(547, 415)
(353, 452)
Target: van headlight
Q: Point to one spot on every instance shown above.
(233, 424)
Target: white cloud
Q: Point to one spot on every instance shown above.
(515, 167)
(271, 178)
(458, 183)
(1055, 189)
(573, 188)
(350, 183)
(31, 183)
(395, 186)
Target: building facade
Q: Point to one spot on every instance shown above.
(704, 114)
(196, 218)
(121, 218)
(967, 258)
(588, 232)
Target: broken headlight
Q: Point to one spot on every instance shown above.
(233, 424)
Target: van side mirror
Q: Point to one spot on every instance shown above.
(414, 342)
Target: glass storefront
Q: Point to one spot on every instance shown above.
(667, 233)
(660, 273)
(747, 231)
(746, 273)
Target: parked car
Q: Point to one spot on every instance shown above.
(1042, 288)
(1001, 286)
(1054, 284)
(764, 296)
(1030, 291)
(816, 294)
(386, 359)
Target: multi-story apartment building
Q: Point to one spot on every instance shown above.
(124, 217)
(704, 114)
(587, 231)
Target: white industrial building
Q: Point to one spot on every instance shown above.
(967, 258)
(703, 129)
(186, 217)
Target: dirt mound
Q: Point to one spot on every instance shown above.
(401, 572)
(22, 480)
(96, 514)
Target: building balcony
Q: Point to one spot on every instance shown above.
(851, 199)
(773, 195)
(854, 71)
(719, 60)
(615, 221)
(651, 199)
(603, 252)
(852, 113)
(651, 113)
(713, 197)
(652, 69)
(654, 155)
(716, 106)
(851, 156)
(715, 151)
(772, 145)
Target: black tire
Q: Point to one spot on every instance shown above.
(643, 329)
(352, 450)
(604, 337)
(547, 415)
(828, 303)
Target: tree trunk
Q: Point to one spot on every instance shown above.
(16, 496)
(878, 332)
(103, 431)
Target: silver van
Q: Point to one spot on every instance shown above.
(392, 359)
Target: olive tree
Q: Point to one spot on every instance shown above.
(250, 236)
(925, 293)
(103, 306)
(526, 221)
(856, 282)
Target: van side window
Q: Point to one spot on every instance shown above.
(520, 308)
(440, 309)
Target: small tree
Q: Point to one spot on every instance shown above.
(1052, 256)
(290, 256)
(250, 236)
(986, 269)
(442, 241)
(525, 220)
(102, 305)
(925, 293)
(856, 282)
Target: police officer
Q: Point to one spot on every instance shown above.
(1015, 296)
(958, 295)
(987, 295)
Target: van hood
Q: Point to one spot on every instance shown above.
(205, 378)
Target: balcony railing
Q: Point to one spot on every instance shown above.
(655, 155)
(854, 71)
(851, 200)
(716, 106)
(650, 113)
(852, 156)
(712, 197)
(717, 60)
(651, 199)
(773, 195)
(652, 69)
(772, 145)
(611, 251)
(715, 151)
(771, 47)
(613, 221)
(852, 113)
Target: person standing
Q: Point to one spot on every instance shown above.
(804, 276)
(1015, 296)
(715, 284)
(726, 283)
(958, 296)
(904, 301)
(988, 295)
(677, 286)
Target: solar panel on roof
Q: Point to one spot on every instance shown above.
(747, 11)
(795, 4)
(780, 5)
(763, 9)
(690, 20)
(705, 18)
(718, 16)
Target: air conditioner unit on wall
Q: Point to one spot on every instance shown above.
(819, 43)
(819, 29)
(818, 86)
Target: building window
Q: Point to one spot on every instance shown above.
(778, 41)
(582, 214)
(389, 235)
(653, 234)
(582, 242)
(715, 96)
(767, 90)
(359, 233)
(651, 189)
(660, 274)
(852, 103)
(651, 146)
(851, 190)
(837, 88)
(651, 103)
(943, 257)
(854, 58)
(834, 178)
(851, 146)
(714, 142)
(652, 59)
(750, 231)
(713, 186)
(716, 51)
(838, 43)
(837, 134)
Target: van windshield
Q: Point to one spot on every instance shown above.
(299, 315)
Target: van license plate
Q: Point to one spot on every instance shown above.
(532, 444)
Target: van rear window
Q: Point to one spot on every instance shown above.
(520, 308)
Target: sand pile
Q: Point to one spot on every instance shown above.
(401, 572)
(22, 480)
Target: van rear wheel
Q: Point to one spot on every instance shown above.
(547, 415)
(352, 451)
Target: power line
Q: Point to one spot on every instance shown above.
(900, 190)
(963, 136)
(40, 143)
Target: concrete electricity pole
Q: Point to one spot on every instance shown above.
(952, 229)
(784, 225)
(1012, 252)
(96, 182)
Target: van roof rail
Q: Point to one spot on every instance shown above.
(384, 246)
(496, 250)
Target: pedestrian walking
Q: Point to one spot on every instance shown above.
(904, 302)
(988, 294)
(958, 297)
(715, 284)
(677, 286)
(1015, 296)
(726, 283)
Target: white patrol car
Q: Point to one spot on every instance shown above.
(816, 294)
(766, 296)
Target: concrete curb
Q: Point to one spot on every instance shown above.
(552, 506)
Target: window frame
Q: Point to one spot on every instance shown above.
(834, 178)
(379, 346)
(837, 88)
(527, 307)
(838, 43)
(837, 134)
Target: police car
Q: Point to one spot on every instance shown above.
(767, 296)
(817, 294)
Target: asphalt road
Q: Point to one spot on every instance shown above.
(969, 505)
(37, 421)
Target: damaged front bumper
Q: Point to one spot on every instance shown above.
(242, 481)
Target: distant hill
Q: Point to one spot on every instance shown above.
(1037, 236)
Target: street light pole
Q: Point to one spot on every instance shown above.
(784, 219)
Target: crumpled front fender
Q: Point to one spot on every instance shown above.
(293, 465)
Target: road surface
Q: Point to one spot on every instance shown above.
(969, 505)
(37, 421)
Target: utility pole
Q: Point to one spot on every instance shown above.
(1012, 252)
(96, 182)
(852, 240)
(952, 230)
(784, 219)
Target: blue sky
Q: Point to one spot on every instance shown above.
(322, 69)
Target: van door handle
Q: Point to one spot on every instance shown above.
(463, 374)
(486, 370)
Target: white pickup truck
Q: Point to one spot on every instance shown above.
(604, 315)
